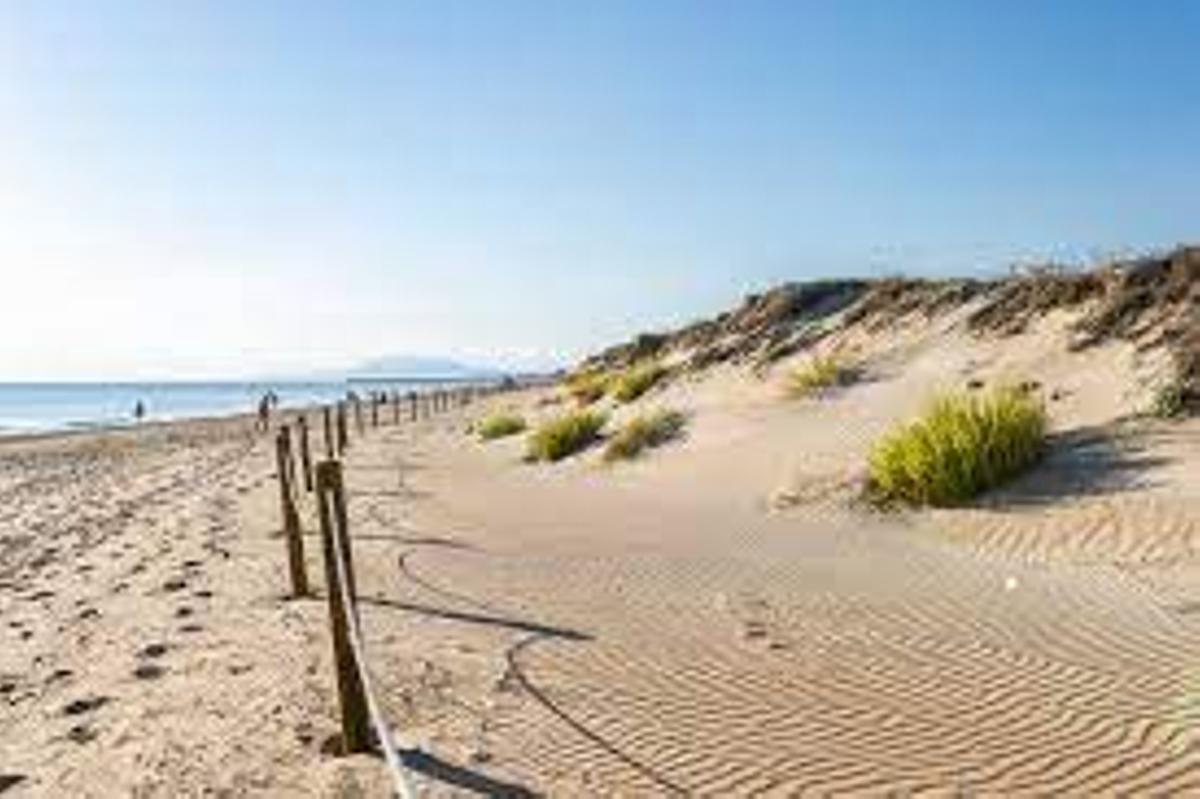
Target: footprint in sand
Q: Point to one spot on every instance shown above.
(152, 651)
(84, 705)
(10, 781)
(81, 734)
(149, 671)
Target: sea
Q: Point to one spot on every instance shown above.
(27, 408)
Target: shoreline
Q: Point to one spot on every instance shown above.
(15, 436)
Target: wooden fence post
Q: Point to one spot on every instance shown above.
(305, 454)
(396, 407)
(352, 699)
(412, 406)
(358, 416)
(342, 436)
(327, 412)
(291, 519)
(374, 410)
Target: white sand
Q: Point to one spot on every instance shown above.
(720, 618)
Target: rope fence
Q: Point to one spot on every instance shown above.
(363, 725)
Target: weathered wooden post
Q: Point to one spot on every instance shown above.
(412, 406)
(374, 410)
(352, 699)
(342, 433)
(291, 519)
(358, 416)
(305, 454)
(327, 412)
(396, 408)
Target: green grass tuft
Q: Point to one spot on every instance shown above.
(499, 425)
(644, 432)
(637, 380)
(565, 435)
(818, 374)
(964, 444)
(587, 387)
(1170, 399)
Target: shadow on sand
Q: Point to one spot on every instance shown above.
(520, 625)
(1089, 461)
(445, 772)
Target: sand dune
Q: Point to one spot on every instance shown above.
(721, 617)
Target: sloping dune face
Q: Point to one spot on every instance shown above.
(646, 634)
(722, 616)
(726, 617)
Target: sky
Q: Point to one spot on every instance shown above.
(223, 189)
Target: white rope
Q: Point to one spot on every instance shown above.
(403, 785)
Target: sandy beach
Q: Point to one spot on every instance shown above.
(719, 617)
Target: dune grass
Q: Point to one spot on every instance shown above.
(821, 372)
(500, 425)
(962, 445)
(565, 435)
(645, 432)
(637, 380)
(587, 387)
(1170, 399)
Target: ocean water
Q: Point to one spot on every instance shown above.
(48, 407)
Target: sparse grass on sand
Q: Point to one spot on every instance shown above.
(645, 432)
(499, 425)
(962, 445)
(565, 435)
(824, 371)
(1171, 399)
(587, 387)
(637, 380)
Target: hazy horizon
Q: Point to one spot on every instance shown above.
(218, 190)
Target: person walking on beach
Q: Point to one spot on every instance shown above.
(139, 411)
(264, 413)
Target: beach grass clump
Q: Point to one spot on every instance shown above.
(645, 432)
(565, 435)
(637, 380)
(500, 425)
(1170, 400)
(587, 386)
(965, 443)
(818, 374)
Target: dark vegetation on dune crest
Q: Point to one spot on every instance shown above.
(1153, 301)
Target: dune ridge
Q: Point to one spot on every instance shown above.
(722, 615)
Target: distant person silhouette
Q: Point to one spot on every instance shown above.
(139, 411)
(264, 413)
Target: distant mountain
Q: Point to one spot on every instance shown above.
(421, 366)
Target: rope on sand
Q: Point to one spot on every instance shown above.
(383, 733)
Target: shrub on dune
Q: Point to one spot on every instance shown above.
(1175, 398)
(565, 435)
(499, 425)
(962, 445)
(645, 432)
(587, 387)
(820, 373)
(637, 380)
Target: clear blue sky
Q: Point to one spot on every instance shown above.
(206, 188)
